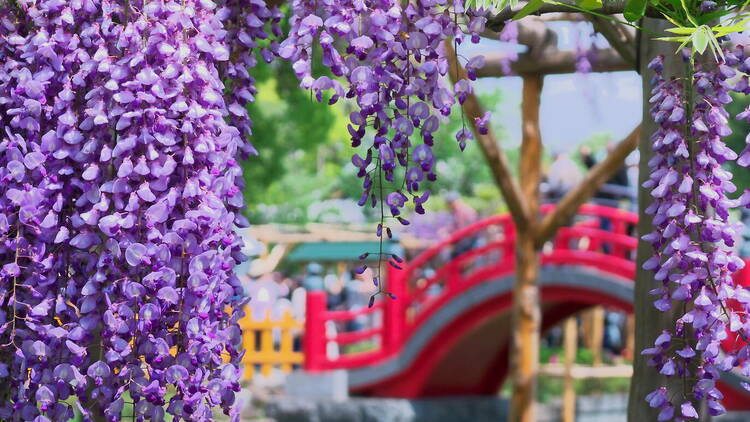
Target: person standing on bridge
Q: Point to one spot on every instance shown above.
(616, 188)
(563, 175)
(463, 215)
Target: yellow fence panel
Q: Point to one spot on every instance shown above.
(269, 343)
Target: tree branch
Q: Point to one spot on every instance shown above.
(495, 157)
(568, 205)
(609, 7)
(620, 37)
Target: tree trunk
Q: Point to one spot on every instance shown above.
(649, 321)
(526, 312)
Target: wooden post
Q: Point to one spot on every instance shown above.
(597, 333)
(526, 312)
(629, 352)
(570, 339)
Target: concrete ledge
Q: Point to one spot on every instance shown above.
(329, 385)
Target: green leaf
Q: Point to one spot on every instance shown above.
(590, 4)
(490, 4)
(530, 7)
(635, 9)
(673, 39)
(681, 31)
(701, 38)
(708, 17)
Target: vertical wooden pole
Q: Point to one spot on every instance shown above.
(629, 351)
(526, 312)
(597, 334)
(570, 339)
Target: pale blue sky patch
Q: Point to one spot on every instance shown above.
(574, 107)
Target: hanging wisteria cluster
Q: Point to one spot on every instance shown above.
(120, 190)
(390, 58)
(693, 237)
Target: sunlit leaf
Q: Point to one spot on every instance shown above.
(590, 4)
(681, 31)
(635, 9)
(700, 39)
(673, 39)
(530, 7)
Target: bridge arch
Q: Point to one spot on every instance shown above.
(452, 314)
(471, 335)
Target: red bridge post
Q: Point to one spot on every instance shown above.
(314, 341)
(394, 311)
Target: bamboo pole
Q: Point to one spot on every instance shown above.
(570, 334)
(526, 312)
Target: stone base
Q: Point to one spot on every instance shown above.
(330, 385)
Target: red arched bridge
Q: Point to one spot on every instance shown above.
(448, 331)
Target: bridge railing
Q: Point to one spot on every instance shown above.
(599, 236)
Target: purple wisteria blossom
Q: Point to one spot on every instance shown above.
(693, 239)
(120, 190)
(390, 60)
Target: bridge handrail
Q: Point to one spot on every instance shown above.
(429, 253)
(395, 327)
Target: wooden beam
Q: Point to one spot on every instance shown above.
(496, 159)
(553, 62)
(557, 370)
(568, 205)
(542, 55)
(526, 313)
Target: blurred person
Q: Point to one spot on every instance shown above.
(463, 215)
(744, 249)
(299, 305)
(587, 158)
(614, 325)
(283, 287)
(313, 279)
(562, 176)
(609, 193)
(264, 292)
(355, 298)
(335, 292)
(619, 179)
(360, 288)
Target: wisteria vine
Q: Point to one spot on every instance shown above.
(120, 191)
(391, 61)
(693, 236)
